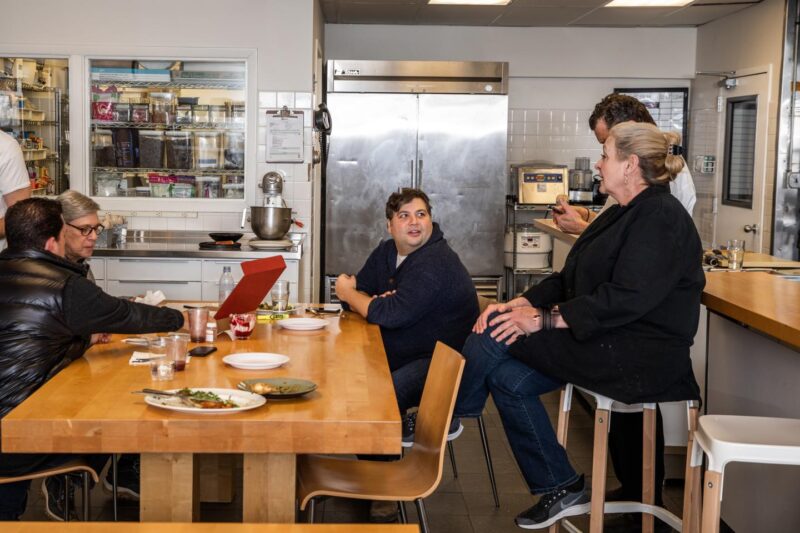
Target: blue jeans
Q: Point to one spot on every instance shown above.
(409, 380)
(516, 388)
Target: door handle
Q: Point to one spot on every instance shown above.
(751, 228)
(411, 162)
(419, 175)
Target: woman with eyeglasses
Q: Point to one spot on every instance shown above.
(82, 226)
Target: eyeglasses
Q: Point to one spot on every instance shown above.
(86, 230)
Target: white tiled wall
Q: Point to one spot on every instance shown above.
(554, 135)
(297, 190)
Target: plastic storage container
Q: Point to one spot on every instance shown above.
(125, 145)
(183, 114)
(107, 184)
(103, 149)
(162, 108)
(207, 149)
(182, 190)
(217, 114)
(208, 186)
(179, 149)
(140, 113)
(233, 142)
(151, 148)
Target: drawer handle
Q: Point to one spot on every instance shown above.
(149, 261)
(153, 282)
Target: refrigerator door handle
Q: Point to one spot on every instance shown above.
(413, 182)
(419, 175)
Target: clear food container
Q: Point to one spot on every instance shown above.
(140, 113)
(182, 190)
(233, 142)
(162, 108)
(103, 149)
(234, 190)
(208, 186)
(179, 149)
(200, 114)
(151, 148)
(207, 149)
(217, 114)
(183, 114)
(107, 184)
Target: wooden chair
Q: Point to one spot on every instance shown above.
(690, 522)
(416, 475)
(76, 466)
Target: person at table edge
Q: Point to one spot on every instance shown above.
(51, 315)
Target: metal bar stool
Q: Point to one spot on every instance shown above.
(647, 506)
(744, 439)
(487, 455)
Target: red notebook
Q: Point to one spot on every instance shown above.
(259, 277)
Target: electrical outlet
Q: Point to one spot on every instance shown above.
(793, 180)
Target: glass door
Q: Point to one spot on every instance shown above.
(167, 129)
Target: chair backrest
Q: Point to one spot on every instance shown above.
(435, 411)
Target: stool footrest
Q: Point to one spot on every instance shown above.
(638, 507)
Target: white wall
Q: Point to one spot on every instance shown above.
(557, 75)
(750, 38)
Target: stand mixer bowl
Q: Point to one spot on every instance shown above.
(269, 222)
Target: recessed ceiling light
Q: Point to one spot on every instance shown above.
(648, 3)
(471, 2)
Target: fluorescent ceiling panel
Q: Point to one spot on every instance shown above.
(648, 3)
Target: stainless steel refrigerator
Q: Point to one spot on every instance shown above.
(438, 126)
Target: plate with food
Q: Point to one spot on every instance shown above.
(205, 400)
(278, 388)
(302, 324)
(255, 360)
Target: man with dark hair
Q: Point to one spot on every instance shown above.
(416, 289)
(610, 111)
(51, 315)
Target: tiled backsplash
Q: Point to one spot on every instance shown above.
(554, 135)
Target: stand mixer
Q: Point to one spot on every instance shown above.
(273, 219)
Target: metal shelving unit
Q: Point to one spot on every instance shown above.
(222, 126)
(236, 84)
(514, 272)
(192, 171)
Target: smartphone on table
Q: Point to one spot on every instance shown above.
(202, 351)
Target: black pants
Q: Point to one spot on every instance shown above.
(625, 448)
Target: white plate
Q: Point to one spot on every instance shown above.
(270, 245)
(302, 324)
(255, 360)
(244, 400)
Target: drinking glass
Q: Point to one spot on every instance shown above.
(162, 368)
(198, 318)
(177, 347)
(280, 295)
(242, 324)
(735, 254)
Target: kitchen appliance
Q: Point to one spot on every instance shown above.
(532, 248)
(273, 219)
(539, 182)
(598, 198)
(440, 126)
(581, 182)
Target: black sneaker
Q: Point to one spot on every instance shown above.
(410, 422)
(127, 478)
(53, 489)
(554, 506)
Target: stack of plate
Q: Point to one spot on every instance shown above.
(281, 244)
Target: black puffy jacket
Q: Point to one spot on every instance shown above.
(41, 332)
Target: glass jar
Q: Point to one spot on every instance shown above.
(233, 141)
(200, 114)
(140, 113)
(183, 114)
(217, 114)
(151, 148)
(106, 184)
(207, 149)
(179, 149)
(103, 149)
(237, 115)
(162, 108)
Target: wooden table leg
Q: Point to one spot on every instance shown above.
(269, 487)
(215, 471)
(168, 488)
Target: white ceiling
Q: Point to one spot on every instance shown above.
(526, 13)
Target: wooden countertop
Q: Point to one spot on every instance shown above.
(766, 302)
(548, 226)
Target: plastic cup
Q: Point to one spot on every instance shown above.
(198, 318)
(279, 295)
(177, 347)
(735, 254)
(242, 324)
(162, 368)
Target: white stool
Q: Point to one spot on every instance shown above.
(740, 439)
(691, 496)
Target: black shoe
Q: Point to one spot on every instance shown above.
(554, 506)
(127, 478)
(53, 490)
(410, 423)
(382, 512)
